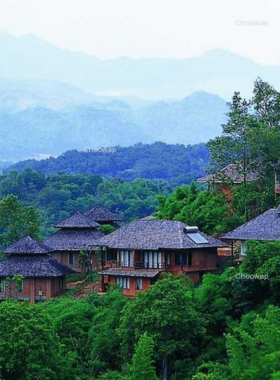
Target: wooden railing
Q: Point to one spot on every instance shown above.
(135, 264)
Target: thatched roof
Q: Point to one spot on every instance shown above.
(149, 217)
(28, 246)
(264, 227)
(77, 220)
(154, 235)
(73, 240)
(33, 266)
(101, 215)
(232, 173)
(130, 273)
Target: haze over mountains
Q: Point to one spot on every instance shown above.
(53, 100)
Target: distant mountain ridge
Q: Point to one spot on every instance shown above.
(157, 161)
(217, 71)
(37, 122)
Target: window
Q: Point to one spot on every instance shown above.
(71, 258)
(243, 248)
(183, 259)
(20, 287)
(168, 258)
(111, 255)
(152, 259)
(2, 285)
(124, 282)
(126, 258)
(61, 283)
(139, 283)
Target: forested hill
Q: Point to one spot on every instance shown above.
(158, 161)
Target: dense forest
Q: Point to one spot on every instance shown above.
(178, 164)
(59, 195)
(225, 328)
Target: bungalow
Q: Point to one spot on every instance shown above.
(43, 276)
(75, 234)
(265, 227)
(135, 255)
(231, 174)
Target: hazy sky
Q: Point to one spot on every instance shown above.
(150, 28)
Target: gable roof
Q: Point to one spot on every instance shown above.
(154, 235)
(33, 266)
(229, 173)
(28, 246)
(72, 240)
(77, 220)
(99, 214)
(264, 227)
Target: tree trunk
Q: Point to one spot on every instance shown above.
(164, 367)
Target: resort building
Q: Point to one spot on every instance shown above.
(135, 255)
(75, 234)
(79, 232)
(43, 276)
(229, 175)
(265, 227)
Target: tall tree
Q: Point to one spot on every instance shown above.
(250, 139)
(166, 313)
(143, 367)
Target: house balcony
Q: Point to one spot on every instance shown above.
(135, 265)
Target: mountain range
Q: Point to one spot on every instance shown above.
(53, 100)
(217, 71)
(36, 121)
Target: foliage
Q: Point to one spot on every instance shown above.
(59, 195)
(166, 313)
(103, 339)
(16, 221)
(28, 345)
(250, 140)
(13, 284)
(158, 161)
(107, 229)
(142, 361)
(209, 211)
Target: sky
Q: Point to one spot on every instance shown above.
(150, 28)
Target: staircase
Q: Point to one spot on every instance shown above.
(92, 287)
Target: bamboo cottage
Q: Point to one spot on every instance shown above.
(43, 276)
(135, 255)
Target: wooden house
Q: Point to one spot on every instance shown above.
(135, 255)
(79, 232)
(225, 178)
(75, 233)
(265, 227)
(43, 276)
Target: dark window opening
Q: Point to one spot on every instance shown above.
(111, 255)
(183, 259)
(71, 258)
